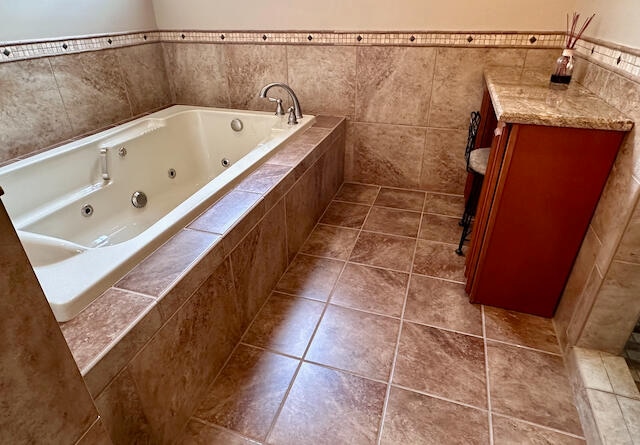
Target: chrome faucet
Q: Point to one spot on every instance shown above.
(296, 104)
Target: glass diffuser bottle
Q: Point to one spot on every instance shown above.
(563, 70)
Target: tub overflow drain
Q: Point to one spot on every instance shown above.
(225, 162)
(172, 173)
(139, 199)
(86, 210)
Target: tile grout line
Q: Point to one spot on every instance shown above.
(397, 348)
(486, 376)
(215, 426)
(324, 310)
(538, 425)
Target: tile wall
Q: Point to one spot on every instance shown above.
(52, 99)
(407, 107)
(601, 302)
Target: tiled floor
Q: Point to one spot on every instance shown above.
(369, 338)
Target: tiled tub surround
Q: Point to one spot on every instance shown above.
(368, 337)
(149, 346)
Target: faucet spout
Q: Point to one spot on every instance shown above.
(287, 88)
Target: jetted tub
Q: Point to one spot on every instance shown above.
(73, 205)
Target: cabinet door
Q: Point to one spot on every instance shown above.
(489, 187)
(535, 214)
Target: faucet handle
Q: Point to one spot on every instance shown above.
(279, 109)
(292, 116)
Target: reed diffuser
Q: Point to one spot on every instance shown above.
(564, 65)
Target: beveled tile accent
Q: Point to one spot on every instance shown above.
(442, 304)
(222, 215)
(440, 228)
(95, 328)
(587, 365)
(249, 68)
(371, 289)
(327, 121)
(620, 376)
(160, 270)
(355, 341)
(442, 363)
(521, 329)
(96, 435)
(246, 395)
(448, 205)
(291, 154)
(333, 93)
(393, 222)
(122, 351)
(384, 95)
(197, 74)
(345, 214)
(438, 260)
(631, 412)
(303, 208)
(413, 418)
(199, 433)
(443, 165)
(310, 277)
(511, 431)
(145, 77)
(330, 241)
(614, 210)
(532, 386)
(259, 261)
(357, 193)
(92, 88)
(583, 309)
(400, 199)
(382, 250)
(608, 417)
(327, 406)
(284, 324)
(629, 247)
(387, 154)
(572, 295)
(122, 412)
(199, 338)
(264, 178)
(32, 113)
(607, 328)
(458, 83)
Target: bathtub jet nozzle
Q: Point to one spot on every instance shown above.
(139, 199)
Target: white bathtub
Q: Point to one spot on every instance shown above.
(77, 257)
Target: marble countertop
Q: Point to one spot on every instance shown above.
(524, 97)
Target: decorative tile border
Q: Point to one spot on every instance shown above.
(11, 51)
(622, 59)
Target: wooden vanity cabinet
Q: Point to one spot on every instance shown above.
(539, 194)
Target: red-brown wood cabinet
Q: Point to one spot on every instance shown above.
(539, 194)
